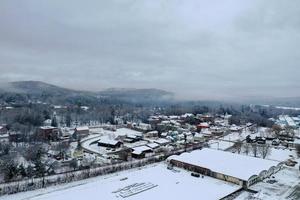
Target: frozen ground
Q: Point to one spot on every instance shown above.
(280, 154)
(220, 145)
(152, 182)
(276, 153)
(287, 186)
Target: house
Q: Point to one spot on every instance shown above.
(151, 134)
(81, 132)
(162, 141)
(48, 133)
(153, 145)
(109, 143)
(205, 118)
(3, 130)
(47, 122)
(142, 127)
(64, 134)
(206, 132)
(235, 128)
(15, 136)
(199, 137)
(202, 125)
(164, 134)
(141, 152)
(133, 138)
(235, 168)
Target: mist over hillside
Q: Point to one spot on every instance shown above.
(37, 90)
(45, 92)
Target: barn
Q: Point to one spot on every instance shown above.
(235, 168)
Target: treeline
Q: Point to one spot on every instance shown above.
(241, 114)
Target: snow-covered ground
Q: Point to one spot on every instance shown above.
(148, 183)
(220, 145)
(281, 154)
(287, 186)
(235, 136)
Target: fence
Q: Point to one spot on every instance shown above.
(37, 183)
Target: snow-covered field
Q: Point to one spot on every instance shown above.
(152, 182)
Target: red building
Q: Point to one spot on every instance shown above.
(48, 133)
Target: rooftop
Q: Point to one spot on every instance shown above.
(235, 165)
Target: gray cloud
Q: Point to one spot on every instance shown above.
(197, 49)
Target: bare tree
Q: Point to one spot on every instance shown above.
(298, 149)
(264, 150)
(254, 149)
(246, 148)
(238, 146)
(62, 147)
(277, 129)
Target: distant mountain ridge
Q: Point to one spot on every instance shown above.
(41, 91)
(48, 92)
(38, 87)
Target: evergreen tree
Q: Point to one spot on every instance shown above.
(54, 121)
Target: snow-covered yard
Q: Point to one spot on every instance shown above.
(220, 145)
(152, 182)
(279, 154)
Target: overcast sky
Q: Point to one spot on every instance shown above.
(196, 48)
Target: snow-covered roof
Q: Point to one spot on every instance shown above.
(204, 124)
(105, 140)
(162, 141)
(235, 165)
(140, 149)
(152, 132)
(47, 127)
(187, 115)
(164, 134)
(127, 131)
(82, 128)
(153, 145)
(48, 121)
(206, 131)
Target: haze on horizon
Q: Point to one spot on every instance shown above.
(197, 49)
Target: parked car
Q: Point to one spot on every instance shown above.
(290, 163)
(260, 140)
(275, 143)
(195, 174)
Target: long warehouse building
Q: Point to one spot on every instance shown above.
(239, 169)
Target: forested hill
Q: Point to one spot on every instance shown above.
(25, 91)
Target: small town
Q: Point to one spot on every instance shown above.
(205, 146)
(149, 100)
